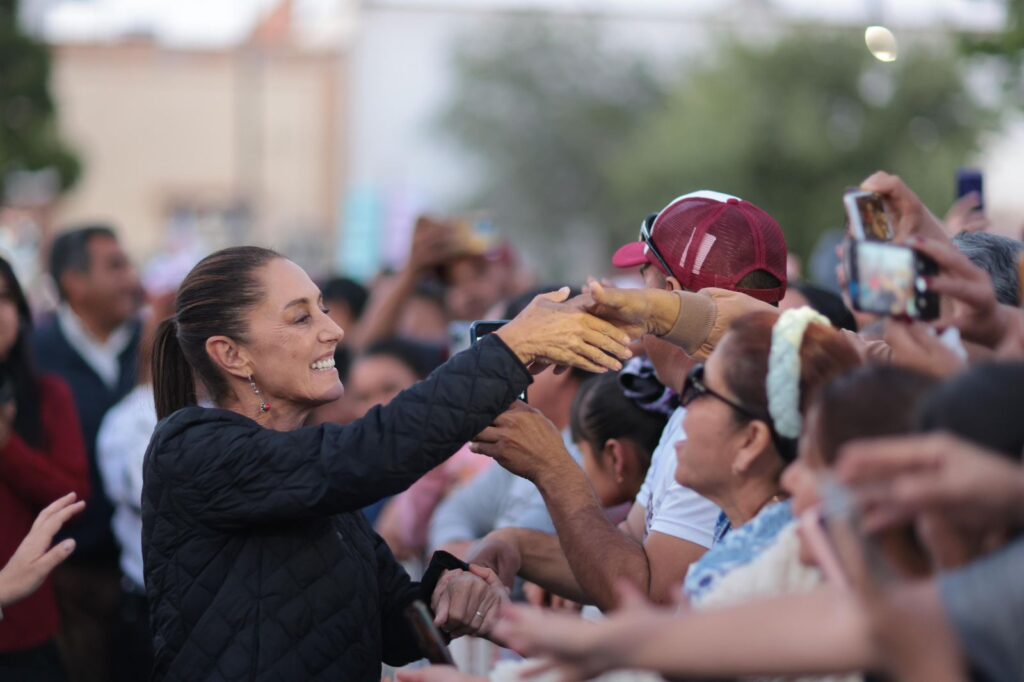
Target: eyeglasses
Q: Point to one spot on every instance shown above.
(694, 387)
(647, 237)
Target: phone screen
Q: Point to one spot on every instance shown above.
(868, 217)
(970, 180)
(482, 328)
(890, 280)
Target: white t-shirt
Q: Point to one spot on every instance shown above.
(670, 508)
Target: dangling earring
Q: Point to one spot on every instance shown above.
(264, 405)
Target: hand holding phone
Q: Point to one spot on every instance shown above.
(868, 216)
(892, 280)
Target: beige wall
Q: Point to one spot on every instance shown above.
(158, 129)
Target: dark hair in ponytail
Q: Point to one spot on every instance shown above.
(214, 300)
(601, 411)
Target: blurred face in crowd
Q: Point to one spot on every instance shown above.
(9, 321)
(613, 471)
(376, 380)
(108, 291)
(291, 341)
(341, 313)
(474, 285)
(423, 319)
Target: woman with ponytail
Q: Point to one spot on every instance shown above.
(258, 562)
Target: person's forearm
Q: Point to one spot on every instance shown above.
(817, 633)
(382, 315)
(598, 553)
(544, 563)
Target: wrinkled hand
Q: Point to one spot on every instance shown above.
(554, 332)
(896, 479)
(635, 311)
(437, 673)
(910, 217)
(975, 311)
(964, 216)
(915, 347)
(35, 559)
(498, 552)
(468, 602)
(523, 441)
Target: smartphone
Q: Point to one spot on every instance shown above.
(970, 180)
(869, 219)
(427, 635)
(891, 280)
(854, 552)
(482, 328)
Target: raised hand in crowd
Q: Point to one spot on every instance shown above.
(911, 218)
(35, 558)
(575, 649)
(525, 442)
(551, 331)
(896, 479)
(964, 215)
(974, 310)
(636, 311)
(916, 346)
(468, 602)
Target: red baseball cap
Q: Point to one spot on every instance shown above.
(710, 239)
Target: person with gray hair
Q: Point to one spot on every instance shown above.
(999, 257)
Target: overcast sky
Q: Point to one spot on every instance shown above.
(220, 22)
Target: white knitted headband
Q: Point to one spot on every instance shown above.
(784, 368)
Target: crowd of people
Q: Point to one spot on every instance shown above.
(719, 472)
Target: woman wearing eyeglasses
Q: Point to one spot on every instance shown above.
(744, 414)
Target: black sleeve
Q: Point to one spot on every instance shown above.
(397, 591)
(234, 474)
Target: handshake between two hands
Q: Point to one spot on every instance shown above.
(468, 602)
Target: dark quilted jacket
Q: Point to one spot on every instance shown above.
(259, 565)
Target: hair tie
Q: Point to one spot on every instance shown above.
(783, 385)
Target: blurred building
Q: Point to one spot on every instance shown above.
(241, 142)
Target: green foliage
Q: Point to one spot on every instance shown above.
(791, 125)
(570, 134)
(29, 139)
(544, 109)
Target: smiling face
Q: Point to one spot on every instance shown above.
(291, 339)
(713, 433)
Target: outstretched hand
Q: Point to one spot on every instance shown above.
(577, 649)
(468, 602)
(523, 441)
(635, 311)
(35, 558)
(553, 332)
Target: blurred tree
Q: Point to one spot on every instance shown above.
(1006, 46)
(544, 107)
(574, 139)
(29, 139)
(790, 125)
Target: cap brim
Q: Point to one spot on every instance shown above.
(630, 256)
